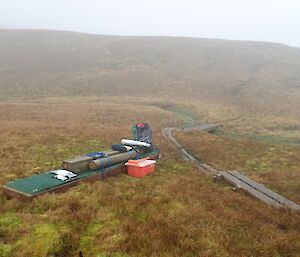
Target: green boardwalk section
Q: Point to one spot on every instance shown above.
(43, 182)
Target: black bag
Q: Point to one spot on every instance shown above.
(119, 147)
(142, 132)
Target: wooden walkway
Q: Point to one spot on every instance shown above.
(235, 178)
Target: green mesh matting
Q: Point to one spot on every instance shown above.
(45, 181)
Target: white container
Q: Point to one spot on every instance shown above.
(134, 143)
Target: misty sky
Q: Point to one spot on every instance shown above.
(261, 20)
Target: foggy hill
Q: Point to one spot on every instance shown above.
(248, 74)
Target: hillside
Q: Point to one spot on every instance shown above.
(63, 94)
(253, 76)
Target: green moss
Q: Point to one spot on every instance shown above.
(275, 139)
(175, 208)
(185, 118)
(5, 250)
(43, 241)
(8, 222)
(141, 216)
(86, 241)
(178, 167)
(94, 228)
(86, 244)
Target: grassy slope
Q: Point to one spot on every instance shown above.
(253, 85)
(178, 211)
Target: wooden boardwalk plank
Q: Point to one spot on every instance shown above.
(236, 179)
(167, 132)
(279, 198)
(209, 168)
(240, 184)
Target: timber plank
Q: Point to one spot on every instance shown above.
(236, 179)
(240, 184)
(81, 163)
(60, 187)
(279, 198)
(209, 168)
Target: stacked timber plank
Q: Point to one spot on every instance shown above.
(81, 163)
(112, 163)
(88, 167)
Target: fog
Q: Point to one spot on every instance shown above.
(264, 20)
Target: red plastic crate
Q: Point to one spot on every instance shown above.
(140, 168)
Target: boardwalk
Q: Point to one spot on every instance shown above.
(235, 178)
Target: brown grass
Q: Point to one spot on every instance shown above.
(36, 137)
(275, 165)
(252, 85)
(177, 211)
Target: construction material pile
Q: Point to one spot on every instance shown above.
(87, 167)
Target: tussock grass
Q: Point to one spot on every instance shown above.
(177, 211)
(275, 165)
(251, 87)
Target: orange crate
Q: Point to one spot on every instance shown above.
(141, 168)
